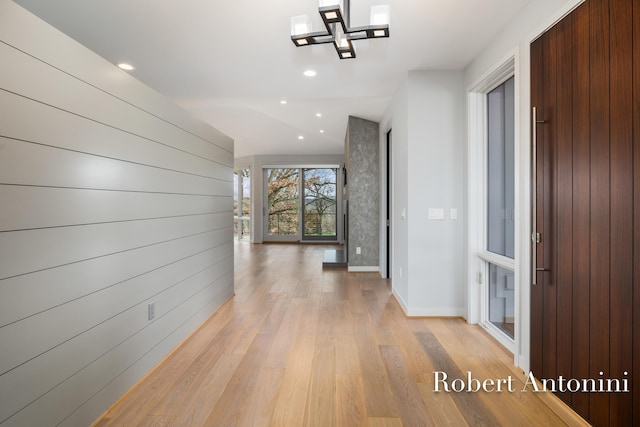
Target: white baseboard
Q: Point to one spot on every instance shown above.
(366, 269)
(428, 312)
(436, 312)
(398, 298)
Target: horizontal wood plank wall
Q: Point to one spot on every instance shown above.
(111, 198)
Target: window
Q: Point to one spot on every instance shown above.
(301, 203)
(500, 208)
(494, 281)
(282, 201)
(500, 170)
(242, 203)
(320, 204)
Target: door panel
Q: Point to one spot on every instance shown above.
(563, 263)
(600, 213)
(585, 88)
(581, 198)
(621, 199)
(636, 204)
(537, 149)
(546, 205)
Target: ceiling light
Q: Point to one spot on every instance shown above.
(283, 101)
(318, 114)
(331, 15)
(335, 15)
(321, 130)
(310, 73)
(300, 137)
(125, 66)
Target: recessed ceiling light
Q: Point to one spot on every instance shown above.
(309, 73)
(125, 66)
(318, 114)
(283, 101)
(300, 137)
(321, 130)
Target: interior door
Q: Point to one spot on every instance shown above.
(388, 207)
(585, 292)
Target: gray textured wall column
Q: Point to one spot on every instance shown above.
(363, 191)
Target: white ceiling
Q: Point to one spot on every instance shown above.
(232, 62)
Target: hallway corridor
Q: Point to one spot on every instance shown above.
(299, 346)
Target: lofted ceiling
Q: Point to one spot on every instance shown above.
(231, 63)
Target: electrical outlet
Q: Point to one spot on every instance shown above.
(358, 250)
(152, 310)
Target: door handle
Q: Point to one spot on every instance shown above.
(535, 236)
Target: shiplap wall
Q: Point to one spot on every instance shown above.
(111, 198)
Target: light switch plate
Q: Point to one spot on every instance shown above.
(436, 213)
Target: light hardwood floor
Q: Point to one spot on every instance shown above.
(299, 346)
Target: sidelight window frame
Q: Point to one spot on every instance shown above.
(480, 259)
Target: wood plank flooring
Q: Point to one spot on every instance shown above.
(299, 346)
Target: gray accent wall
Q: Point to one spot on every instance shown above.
(362, 144)
(111, 199)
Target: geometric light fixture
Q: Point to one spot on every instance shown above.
(335, 15)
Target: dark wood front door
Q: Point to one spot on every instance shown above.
(585, 295)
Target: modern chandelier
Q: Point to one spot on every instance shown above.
(335, 15)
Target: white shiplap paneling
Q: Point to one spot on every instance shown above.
(38, 207)
(24, 163)
(24, 296)
(66, 92)
(111, 198)
(60, 129)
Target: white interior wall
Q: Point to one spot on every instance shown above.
(112, 198)
(436, 145)
(427, 114)
(514, 41)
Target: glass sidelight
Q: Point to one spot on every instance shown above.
(500, 208)
(501, 170)
(501, 298)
